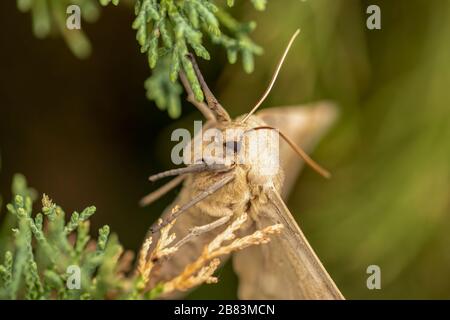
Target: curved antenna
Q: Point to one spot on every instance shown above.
(308, 160)
(274, 77)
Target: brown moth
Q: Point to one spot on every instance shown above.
(216, 192)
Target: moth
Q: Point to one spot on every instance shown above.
(214, 192)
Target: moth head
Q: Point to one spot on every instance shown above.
(255, 151)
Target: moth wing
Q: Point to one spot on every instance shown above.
(305, 125)
(287, 267)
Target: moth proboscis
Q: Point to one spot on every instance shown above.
(215, 193)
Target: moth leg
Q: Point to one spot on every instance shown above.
(158, 193)
(196, 231)
(200, 105)
(198, 167)
(199, 197)
(220, 113)
(175, 172)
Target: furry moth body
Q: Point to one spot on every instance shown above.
(286, 267)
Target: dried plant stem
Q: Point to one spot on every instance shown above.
(202, 269)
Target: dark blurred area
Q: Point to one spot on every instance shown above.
(83, 132)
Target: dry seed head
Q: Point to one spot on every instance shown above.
(202, 269)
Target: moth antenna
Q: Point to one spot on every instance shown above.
(213, 104)
(200, 105)
(274, 77)
(308, 160)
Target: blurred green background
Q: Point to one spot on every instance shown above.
(84, 133)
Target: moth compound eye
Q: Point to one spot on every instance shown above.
(232, 145)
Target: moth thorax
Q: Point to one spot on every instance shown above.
(262, 156)
(215, 145)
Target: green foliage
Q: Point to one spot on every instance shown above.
(166, 31)
(106, 2)
(163, 91)
(49, 16)
(259, 4)
(44, 247)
